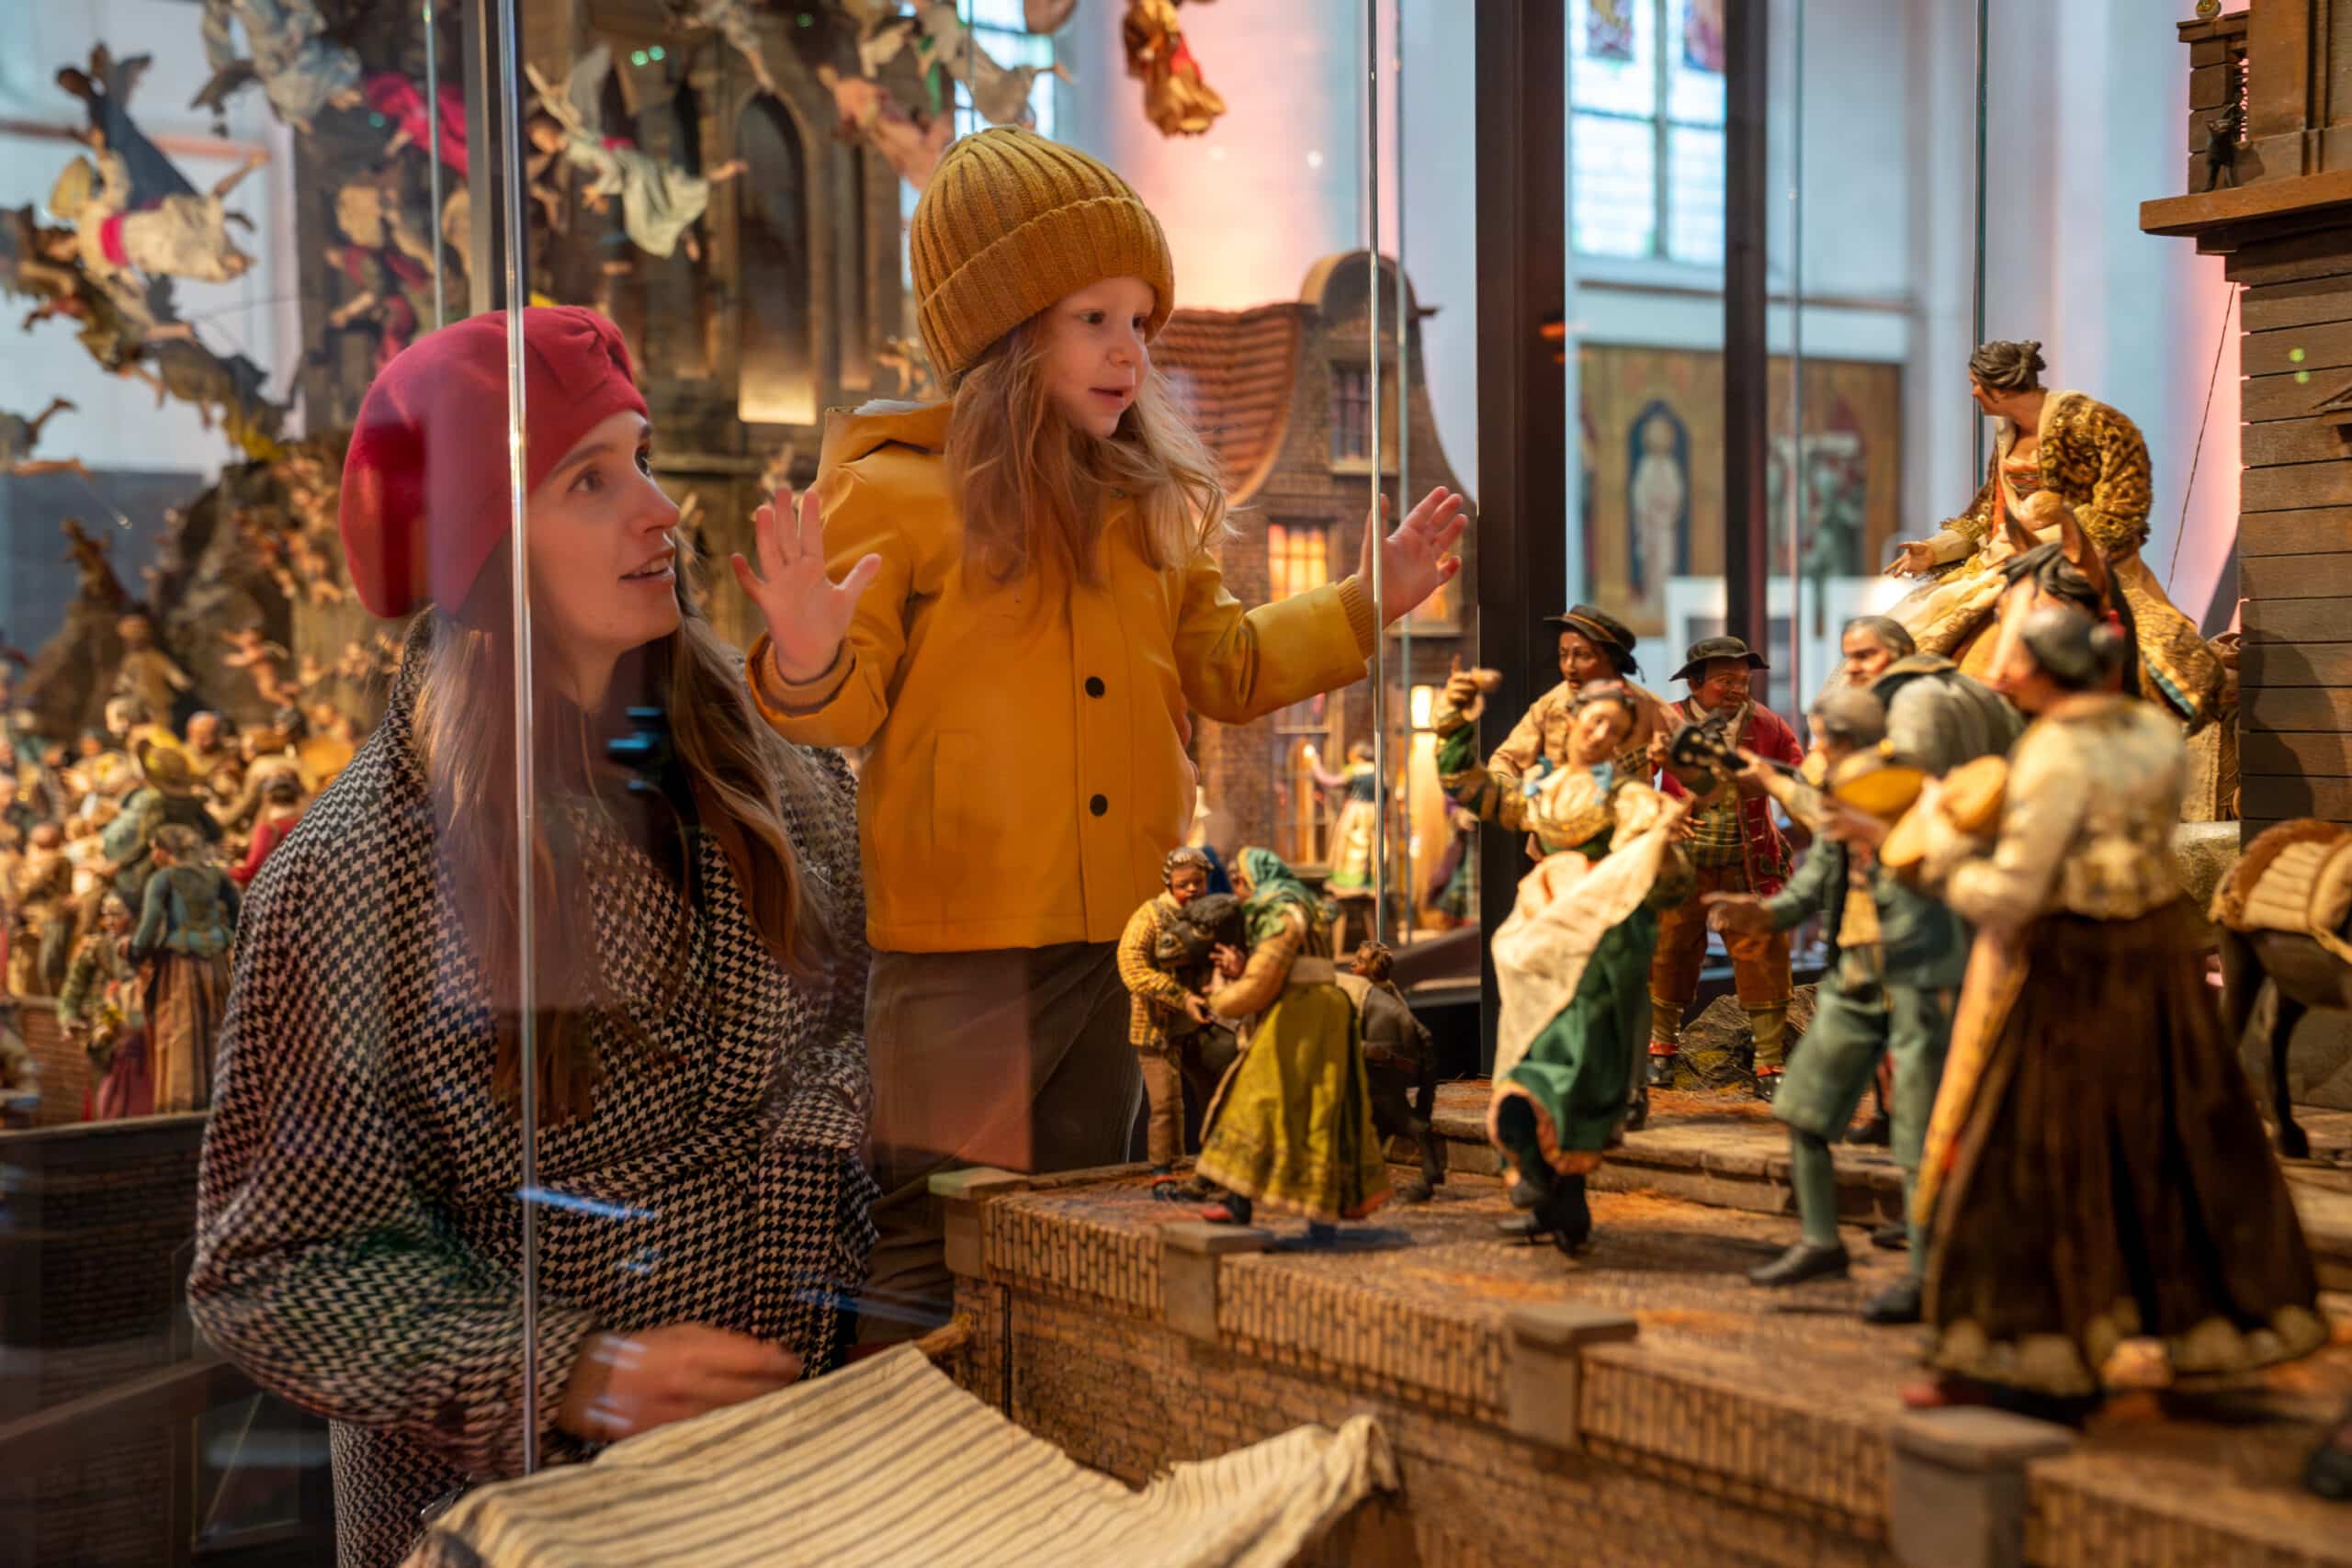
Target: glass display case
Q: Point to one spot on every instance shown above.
(536, 838)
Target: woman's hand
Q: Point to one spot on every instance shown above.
(627, 1383)
(1414, 560)
(807, 613)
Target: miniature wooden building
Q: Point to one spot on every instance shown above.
(2271, 131)
(1282, 394)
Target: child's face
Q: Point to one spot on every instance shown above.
(1094, 355)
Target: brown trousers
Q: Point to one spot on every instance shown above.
(1178, 1081)
(1759, 964)
(1017, 1057)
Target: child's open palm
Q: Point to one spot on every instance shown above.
(807, 614)
(1416, 560)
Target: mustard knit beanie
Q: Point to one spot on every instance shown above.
(1012, 223)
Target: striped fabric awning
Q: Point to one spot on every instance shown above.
(889, 1463)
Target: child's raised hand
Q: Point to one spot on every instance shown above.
(807, 614)
(1415, 560)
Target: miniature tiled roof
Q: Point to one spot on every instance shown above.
(1232, 372)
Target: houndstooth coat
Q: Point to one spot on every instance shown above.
(359, 1240)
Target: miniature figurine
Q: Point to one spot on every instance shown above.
(2052, 453)
(401, 101)
(100, 1011)
(180, 236)
(660, 201)
(1593, 645)
(1168, 1018)
(1572, 963)
(2095, 1171)
(1292, 1124)
(166, 794)
(146, 672)
(105, 89)
(281, 810)
(1452, 881)
(204, 745)
(999, 94)
(1936, 716)
(731, 20)
(260, 659)
(1351, 879)
(42, 899)
(1401, 1061)
(2221, 145)
(187, 917)
(19, 436)
(1175, 98)
(1734, 847)
(89, 555)
(301, 70)
(1897, 958)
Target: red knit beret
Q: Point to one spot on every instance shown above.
(425, 484)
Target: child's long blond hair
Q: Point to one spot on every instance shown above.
(1033, 486)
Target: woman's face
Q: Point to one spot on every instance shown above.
(603, 566)
(1094, 355)
(1599, 731)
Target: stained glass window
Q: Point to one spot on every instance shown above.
(1646, 87)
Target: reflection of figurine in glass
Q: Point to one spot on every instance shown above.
(2095, 1172)
(2052, 453)
(1168, 1018)
(1176, 98)
(1657, 502)
(731, 20)
(178, 236)
(188, 915)
(1292, 1126)
(1572, 963)
(1736, 848)
(1350, 855)
(660, 201)
(19, 436)
(302, 69)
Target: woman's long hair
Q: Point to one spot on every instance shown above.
(1033, 486)
(741, 773)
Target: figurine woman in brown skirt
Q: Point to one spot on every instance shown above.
(2095, 1170)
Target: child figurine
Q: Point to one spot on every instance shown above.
(1011, 603)
(2095, 1172)
(1895, 966)
(1735, 847)
(1573, 961)
(1292, 1127)
(1168, 1015)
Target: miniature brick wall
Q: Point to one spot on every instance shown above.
(65, 1068)
(1129, 1397)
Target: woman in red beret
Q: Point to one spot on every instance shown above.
(698, 966)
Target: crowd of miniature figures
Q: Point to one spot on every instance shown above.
(2012, 969)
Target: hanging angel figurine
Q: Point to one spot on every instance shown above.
(19, 436)
(178, 236)
(300, 70)
(731, 20)
(660, 201)
(258, 657)
(871, 113)
(1175, 98)
(1000, 94)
